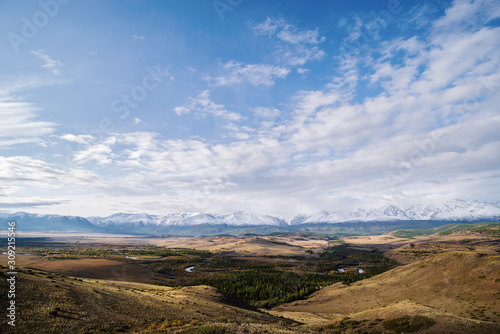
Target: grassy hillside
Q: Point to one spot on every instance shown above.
(54, 303)
(489, 229)
(461, 284)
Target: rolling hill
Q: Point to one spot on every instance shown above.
(458, 285)
(55, 303)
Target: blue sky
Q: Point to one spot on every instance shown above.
(275, 107)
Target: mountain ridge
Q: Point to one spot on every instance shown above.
(160, 224)
(457, 210)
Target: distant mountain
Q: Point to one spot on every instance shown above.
(239, 218)
(299, 219)
(36, 222)
(134, 219)
(378, 220)
(457, 210)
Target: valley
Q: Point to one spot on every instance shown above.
(440, 280)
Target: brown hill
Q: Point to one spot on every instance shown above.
(55, 303)
(237, 246)
(456, 284)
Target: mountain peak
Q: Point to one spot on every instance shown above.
(457, 210)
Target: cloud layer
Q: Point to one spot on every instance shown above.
(401, 118)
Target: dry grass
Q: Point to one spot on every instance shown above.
(444, 322)
(84, 304)
(397, 248)
(454, 286)
(456, 282)
(238, 245)
(87, 268)
(254, 246)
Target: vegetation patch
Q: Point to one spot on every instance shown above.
(489, 229)
(208, 329)
(408, 324)
(267, 285)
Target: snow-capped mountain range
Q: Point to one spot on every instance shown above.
(239, 218)
(452, 211)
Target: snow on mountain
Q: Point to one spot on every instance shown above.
(40, 222)
(239, 218)
(247, 218)
(124, 218)
(451, 211)
(299, 219)
(462, 210)
(457, 210)
(454, 211)
(326, 216)
(422, 211)
(387, 212)
(187, 219)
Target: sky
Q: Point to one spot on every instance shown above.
(274, 107)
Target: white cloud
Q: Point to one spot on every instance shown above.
(295, 47)
(288, 32)
(239, 132)
(420, 14)
(255, 74)
(100, 153)
(302, 70)
(268, 27)
(9, 86)
(32, 201)
(80, 139)
(299, 57)
(19, 124)
(266, 112)
(426, 129)
(51, 64)
(465, 13)
(19, 170)
(182, 110)
(308, 102)
(203, 105)
(139, 37)
(21, 177)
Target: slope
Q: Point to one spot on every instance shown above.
(460, 283)
(54, 303)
